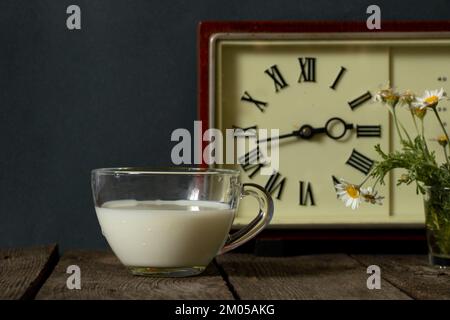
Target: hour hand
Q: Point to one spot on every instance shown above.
(307, 131)
(295, 133)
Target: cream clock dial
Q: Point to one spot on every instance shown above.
(319, 94)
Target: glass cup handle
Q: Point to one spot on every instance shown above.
(258, 223)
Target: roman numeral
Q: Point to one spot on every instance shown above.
(338, 78)
(245, 132)
(335, 180)
(368, 131)
(275, 182)
(307, 69)
(360, 100)
(251, 161)
(360, 162)
(277, 78)
(306, 194)
(257, 103)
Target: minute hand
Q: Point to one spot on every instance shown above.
(283, 136)
(307, 131)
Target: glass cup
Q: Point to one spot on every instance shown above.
(173, 222)
(437, 221)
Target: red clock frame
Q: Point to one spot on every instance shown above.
(209, 28)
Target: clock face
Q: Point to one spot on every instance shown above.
(319, 95)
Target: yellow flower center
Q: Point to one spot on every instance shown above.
(389, 96)
(420, 113)
(432, 100)
(442, 140)
(352, 191)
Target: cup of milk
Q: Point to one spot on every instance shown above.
(173, 222)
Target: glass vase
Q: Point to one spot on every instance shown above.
(437, 220)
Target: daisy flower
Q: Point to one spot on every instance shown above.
(388, 96)
(419, 112)
(442, 140)
(430, 99)
(371, 196)
(349, 193)
(407, 98)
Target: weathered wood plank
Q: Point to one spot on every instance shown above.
(412, 274)
(23, 271)
(334, 276)
(104, 277)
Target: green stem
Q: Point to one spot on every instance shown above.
(414, 120)
(406, 132)
(442, 125)
(365, 179)
(446, 156)
(375, 184)
(422, 125)
(394, 114)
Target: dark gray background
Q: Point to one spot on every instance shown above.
(110, 95)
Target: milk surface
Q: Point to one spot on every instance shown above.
(165, 233)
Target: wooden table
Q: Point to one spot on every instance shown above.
(40, 273)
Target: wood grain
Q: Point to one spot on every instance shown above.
(412, 274)
(23, 271)
(335, 276)
(104, 277)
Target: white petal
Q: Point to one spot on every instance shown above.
(349, 202)
(421, 106)
(367, 190)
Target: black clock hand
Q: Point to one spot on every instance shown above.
(307, 131)
(283, 136)
(329, 126)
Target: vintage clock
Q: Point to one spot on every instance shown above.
(292, 75)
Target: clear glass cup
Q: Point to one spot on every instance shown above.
(173, 222)
(437, 220)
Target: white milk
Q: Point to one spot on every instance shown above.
(165, 233)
